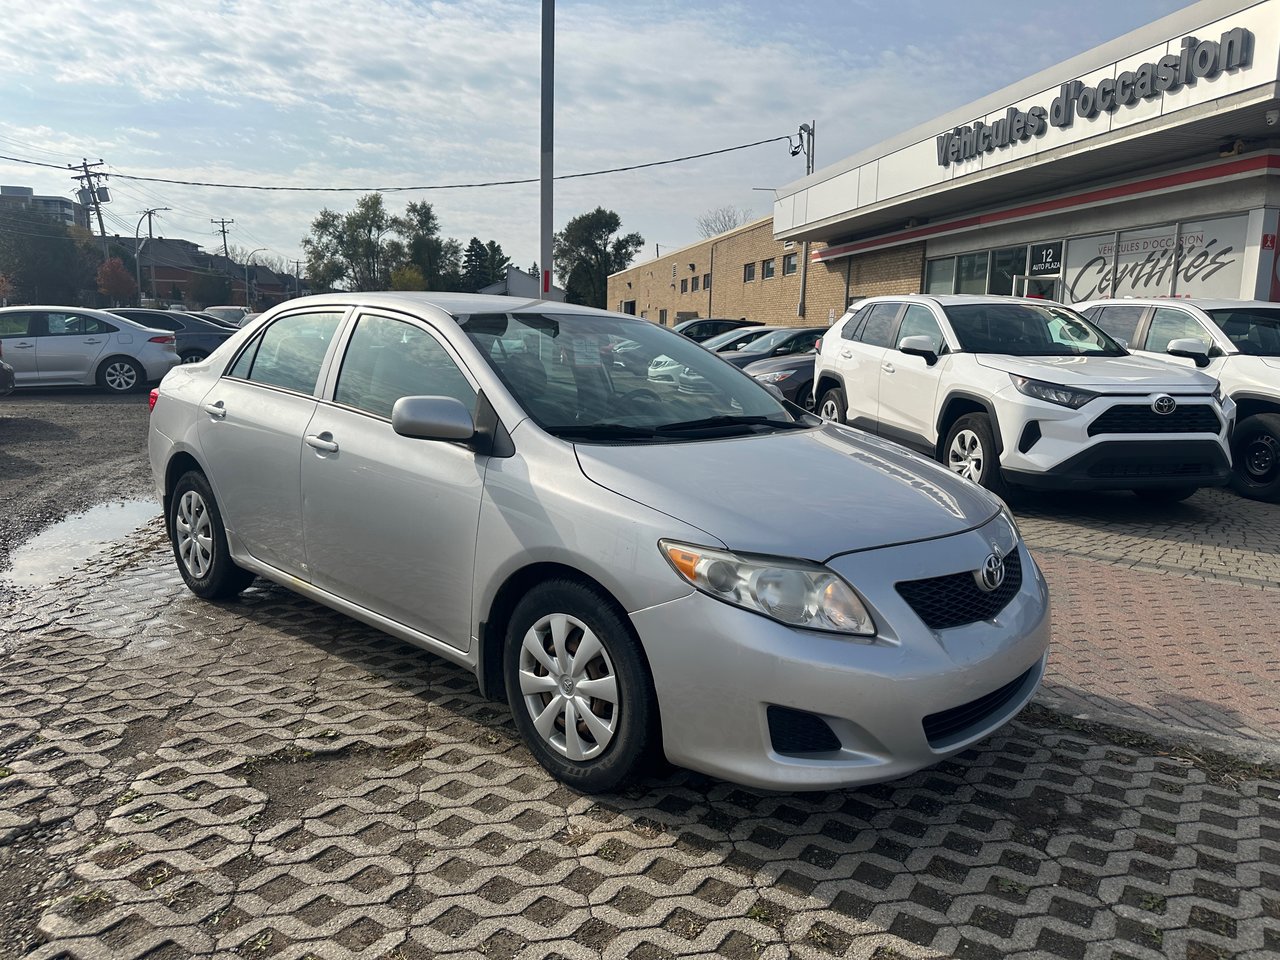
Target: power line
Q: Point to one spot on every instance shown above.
(419, 187)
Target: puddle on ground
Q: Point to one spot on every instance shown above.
(69, 542)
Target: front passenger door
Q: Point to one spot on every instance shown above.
(391, 521)
(909, 385)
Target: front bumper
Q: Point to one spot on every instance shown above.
(7, 380)
(1134, 465)
(718, 669)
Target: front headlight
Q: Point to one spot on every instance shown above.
(1052, 392)
(776, 377)
(794, 592)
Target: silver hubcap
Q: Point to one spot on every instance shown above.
(829, 410)
(120, 376)
(569, 686)
(193, 528)
(193, 358)
(965, 456)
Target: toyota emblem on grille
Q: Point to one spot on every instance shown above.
(992, 573)
(1164, 404)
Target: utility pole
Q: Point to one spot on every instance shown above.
(222, 226)
(89, 181)
(137, 259)
(548, 140)
(297, 278)
(806, 144)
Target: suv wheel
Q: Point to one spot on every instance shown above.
(832, 406)
(579, 690)
(1256, 453)
(970, 451)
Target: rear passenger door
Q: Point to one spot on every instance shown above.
(860, 361)
(17, 331)
(251, 429)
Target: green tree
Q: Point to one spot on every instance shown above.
(408, 277)
(439, 259)
(207, 288)
(587, 250)
(41, 258)
(351, 251)
(497, 261)
(115, 282)
(475, 266)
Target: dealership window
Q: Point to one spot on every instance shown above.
(693, 283)
(684, 285)
(971, 273)
(766, 269)
(789, 264)
(940, 276)
(748, 272)
(706, 281)
(1006, 264)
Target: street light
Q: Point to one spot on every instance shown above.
(138, 263)
(247, 261)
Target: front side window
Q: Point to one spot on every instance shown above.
(388, 359)
(766, 269)
(1169, 324)
(919, 321)
(1254, 330)
(748, 272)
(1028, 330)
(880, 322)
(290, 352)
(789, 264)
(74, 325)
(1120, 321)
(560, 368)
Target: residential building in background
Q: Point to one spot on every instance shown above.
(62, 209)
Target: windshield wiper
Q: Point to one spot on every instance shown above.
(711, 423)
(601, 431)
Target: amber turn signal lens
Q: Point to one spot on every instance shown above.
(684, 560)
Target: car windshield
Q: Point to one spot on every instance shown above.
(733, 336)
(586, 378)
(1028, 330)
(1255, 331)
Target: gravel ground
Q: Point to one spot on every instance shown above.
(63, 451)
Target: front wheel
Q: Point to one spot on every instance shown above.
(578, 687)
(121, 375)
(970, 452)
(1255, 450)
(200, 541)
(832, 406)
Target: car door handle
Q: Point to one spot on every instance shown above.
(846, 354)
(92, 341)
(887, 367)
(22, 346)
(216, 410)
(323, 441)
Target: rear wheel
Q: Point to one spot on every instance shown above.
(804, 396)
(970, 452)
(832, 406)
(1165, 494)
(192, 356)
(200, 541)
(121, 375)
(1256, 452)
(578, 687)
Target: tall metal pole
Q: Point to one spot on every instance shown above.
(806, 140)
(137, 259)
(548, 140)
(247, 261)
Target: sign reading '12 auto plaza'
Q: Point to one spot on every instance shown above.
(1196, 60)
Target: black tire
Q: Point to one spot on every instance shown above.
(121, 375)
(982, 463)
(1165, 494)
(1255, 452)
(804, 396)
(833, 406)
(192, 356)
(633, 716)
(203, 560)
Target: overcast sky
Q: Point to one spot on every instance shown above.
(366, 93)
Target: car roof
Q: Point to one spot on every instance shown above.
(1204, 303)
(455, 304)
(955, 299)
(62, 308)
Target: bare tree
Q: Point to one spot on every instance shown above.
(721, 220)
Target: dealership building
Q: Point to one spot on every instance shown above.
(1149, 166)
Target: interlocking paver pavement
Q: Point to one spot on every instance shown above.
(266, 778)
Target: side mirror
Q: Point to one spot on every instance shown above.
(1190, 348)
(432, 418)
(919, 346)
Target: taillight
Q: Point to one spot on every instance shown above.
(818, 346)
(163, 340)
(153, 397)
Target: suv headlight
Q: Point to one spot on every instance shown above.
(1052, 392)
(794, 592)
(776, 377)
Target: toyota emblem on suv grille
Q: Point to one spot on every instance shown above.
(992, 573)
(1164, 404)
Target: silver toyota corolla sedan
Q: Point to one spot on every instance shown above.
(762, 596)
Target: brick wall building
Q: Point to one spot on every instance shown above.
(747, 273)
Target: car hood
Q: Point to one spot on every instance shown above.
(811, 494)
(803, 361)
(1120, 374)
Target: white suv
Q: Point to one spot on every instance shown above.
(1242, 338)
(1009, 392)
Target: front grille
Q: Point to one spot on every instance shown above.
(1120, 469)
(1140, 418)
(796, 732)
(943, 726)
(956, 599)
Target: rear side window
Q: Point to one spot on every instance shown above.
(880, 323)
(388, 359)
(159, 323)
(75, 325)
(850, 329)
(290, 352)
(1121, 322)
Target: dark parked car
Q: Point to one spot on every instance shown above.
(197, 337)
(703, 328)
(737, 339)
(792, 374)
(6, 376)
(783, 342)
